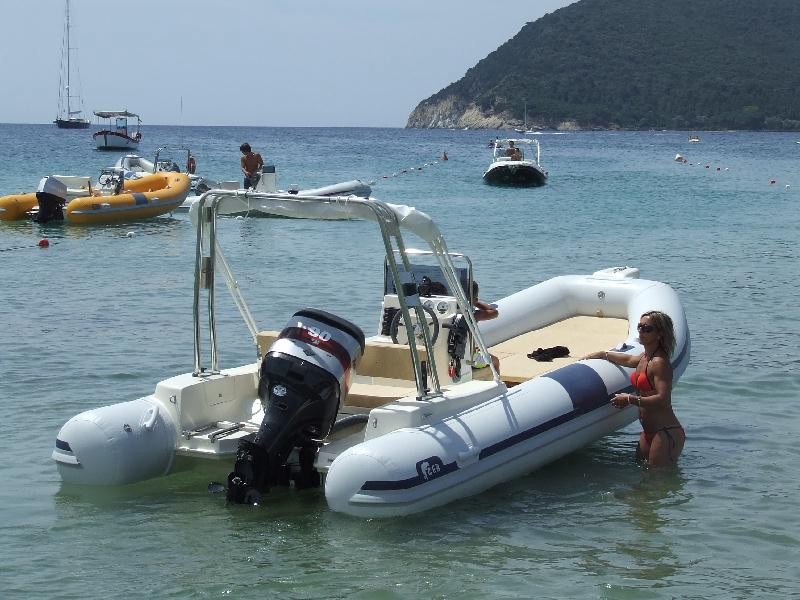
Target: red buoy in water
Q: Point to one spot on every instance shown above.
(44, 243)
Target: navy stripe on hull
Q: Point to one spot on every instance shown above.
(62, 445)
(427, 470)
(586, 390)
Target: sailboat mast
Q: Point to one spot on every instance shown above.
(69, 113)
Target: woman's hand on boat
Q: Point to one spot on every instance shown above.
(621, 400)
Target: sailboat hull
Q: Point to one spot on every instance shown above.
(72, 123)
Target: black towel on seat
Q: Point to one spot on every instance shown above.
(548, 354)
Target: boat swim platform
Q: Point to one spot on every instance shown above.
(385, 372)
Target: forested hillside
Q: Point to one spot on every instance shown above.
(637, 64)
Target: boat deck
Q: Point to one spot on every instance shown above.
(385, 371)
(581, 335)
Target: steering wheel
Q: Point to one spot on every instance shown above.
(398, 331)
(106, 179)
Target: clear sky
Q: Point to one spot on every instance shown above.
(250, 62)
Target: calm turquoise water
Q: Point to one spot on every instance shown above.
(99, 317)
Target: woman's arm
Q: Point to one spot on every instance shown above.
(618, 358)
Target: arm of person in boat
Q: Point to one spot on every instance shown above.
(618, 358)
(484, 311)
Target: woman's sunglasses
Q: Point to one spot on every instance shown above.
(645, 328)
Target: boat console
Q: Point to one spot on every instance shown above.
(449, 335)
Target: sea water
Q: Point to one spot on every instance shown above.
(104, 313)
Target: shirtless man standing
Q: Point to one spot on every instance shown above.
(251, 166)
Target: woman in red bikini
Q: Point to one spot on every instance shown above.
(662, 437)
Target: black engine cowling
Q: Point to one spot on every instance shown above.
(303, 378)
(51, 195)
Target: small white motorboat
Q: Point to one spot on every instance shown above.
(387, 427)
(512, 166)
(116, 134)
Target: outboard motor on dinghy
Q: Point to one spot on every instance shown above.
(304, 376)
(52, 196)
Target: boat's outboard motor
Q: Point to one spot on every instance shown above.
(304, 376)
(52, 196)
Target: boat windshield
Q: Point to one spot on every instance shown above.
(503, 150)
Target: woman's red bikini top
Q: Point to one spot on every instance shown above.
(641, 382)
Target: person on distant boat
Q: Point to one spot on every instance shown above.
(191, 165)
(251, 166)
(662, 438)
(513, 152)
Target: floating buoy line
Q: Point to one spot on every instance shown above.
(42, 243)
(679, 158)
(406, 170)
(45, 243)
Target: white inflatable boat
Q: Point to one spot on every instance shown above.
(388, 428)
(246, 203)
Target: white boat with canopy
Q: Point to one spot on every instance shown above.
(117, 134)
(386, 427)
(515, 162)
